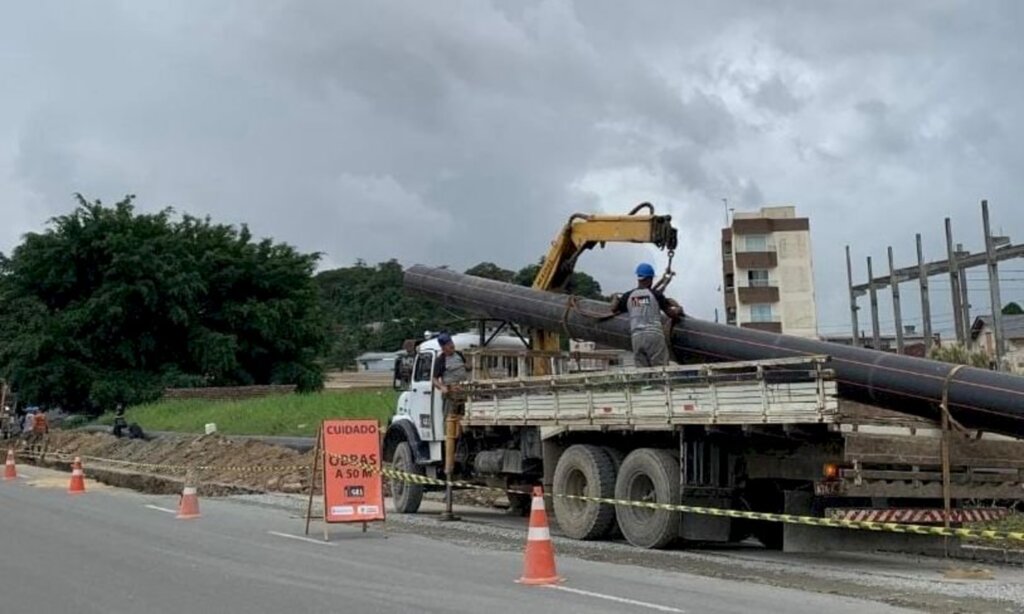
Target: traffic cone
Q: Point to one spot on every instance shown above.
(539, 561)
(10, 471)
(188, 506)
(77, 485)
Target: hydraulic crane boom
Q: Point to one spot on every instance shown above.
(583, 232)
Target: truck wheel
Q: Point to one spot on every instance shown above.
(651, 476)
(405, 496)
(584, 470)
(617, 457)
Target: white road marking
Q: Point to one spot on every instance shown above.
(162, 509)
(642, 604)
(300, 538)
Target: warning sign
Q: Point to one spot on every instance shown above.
(353, 491)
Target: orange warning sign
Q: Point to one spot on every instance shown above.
(353, 492)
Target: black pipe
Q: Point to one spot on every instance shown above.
(978, 398)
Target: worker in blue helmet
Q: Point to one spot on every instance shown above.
(645, 305)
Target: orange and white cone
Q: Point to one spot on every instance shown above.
(10, 471)
(188, 506)
(77, 485)
(539, 561)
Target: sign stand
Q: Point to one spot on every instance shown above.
(317, 455)
(347, 455)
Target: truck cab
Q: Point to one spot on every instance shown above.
(419, 420)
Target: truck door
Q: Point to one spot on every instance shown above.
(421, 402)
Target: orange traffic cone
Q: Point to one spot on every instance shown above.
(188, 506)
(77, 485)
(10, 471)
(539, 562)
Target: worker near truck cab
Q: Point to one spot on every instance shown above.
(450, 369)
(644, 305)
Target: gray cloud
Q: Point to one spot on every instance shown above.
(454, 132)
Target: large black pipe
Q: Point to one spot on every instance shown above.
(978, 398)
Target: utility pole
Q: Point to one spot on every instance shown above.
(853, 300)
(897, 315)
(926, 309)
(993, 286)
(965, 297)
(954, 282)
(876, 335)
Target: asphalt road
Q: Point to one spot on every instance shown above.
(112, 551)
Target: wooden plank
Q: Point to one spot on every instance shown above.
(932, 490)
(934, 476)
(869, 449)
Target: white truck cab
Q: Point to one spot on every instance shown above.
(421, 406)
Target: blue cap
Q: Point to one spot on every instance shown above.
(444, 339)
(644, 271)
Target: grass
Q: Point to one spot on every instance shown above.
(294, 415)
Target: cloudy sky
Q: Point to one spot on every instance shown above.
(450, 132)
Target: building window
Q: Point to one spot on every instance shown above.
(757, 279)
(756, 243)
(761, 312)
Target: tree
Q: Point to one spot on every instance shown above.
(368, 310)
(580, 283)
(1013, 309)
(489, 270)
(960, 355)
(110, 306)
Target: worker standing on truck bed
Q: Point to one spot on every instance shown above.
(644, 305)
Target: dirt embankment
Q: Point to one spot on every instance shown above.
(249, 464)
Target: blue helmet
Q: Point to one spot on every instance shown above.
(444, 339)
(644, 271)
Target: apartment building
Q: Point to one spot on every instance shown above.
(768, 277)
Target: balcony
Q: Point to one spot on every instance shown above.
(757, 260)
(758, 294)
(772, 327)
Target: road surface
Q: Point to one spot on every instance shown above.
(111, 551)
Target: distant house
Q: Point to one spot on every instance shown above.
(913, 341)
(983, 339)
(377, 362)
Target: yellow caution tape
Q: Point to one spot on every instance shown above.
(864, 525)
(396, 474)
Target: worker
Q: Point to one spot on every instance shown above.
(120, 422)
(40, 427)
(644, 305)
(450, 368)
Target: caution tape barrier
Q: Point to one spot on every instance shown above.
(864, 525)
(414, 478)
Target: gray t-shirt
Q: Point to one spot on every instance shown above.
(644, 308)
(451, 369)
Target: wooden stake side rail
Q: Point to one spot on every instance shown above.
(788, 391)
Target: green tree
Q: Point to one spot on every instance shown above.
(489, 270)
(368, 310)
(580, 283)
(110, 306)
(1012, 309)
(960, 355)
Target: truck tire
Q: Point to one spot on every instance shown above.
(405, 496)
(617, 457)
(584, 470)
(649, 475)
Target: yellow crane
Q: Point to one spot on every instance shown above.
(583, 232)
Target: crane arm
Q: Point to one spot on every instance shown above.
(583, 232)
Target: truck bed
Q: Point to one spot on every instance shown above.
(787, 391)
